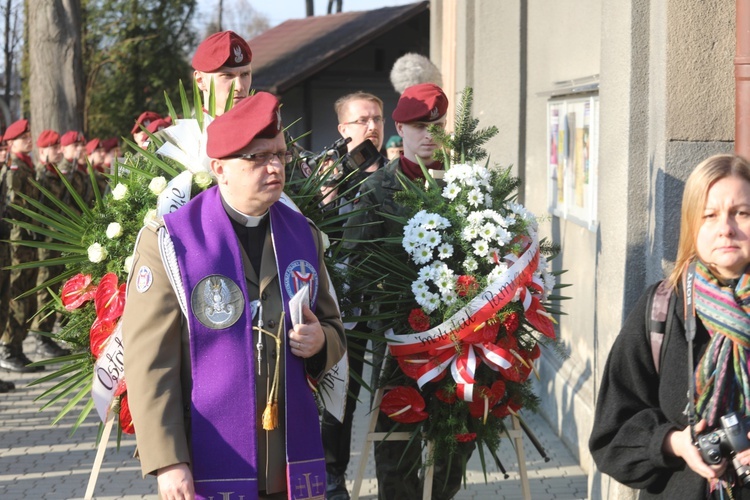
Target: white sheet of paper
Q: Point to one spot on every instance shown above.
(301, 298)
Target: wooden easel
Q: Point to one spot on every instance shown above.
(516, 434)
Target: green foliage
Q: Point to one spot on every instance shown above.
(132, 49)
(466, 142)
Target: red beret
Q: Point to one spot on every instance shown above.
(157, 125)
(93, 145)
(48, 138)
(425, 102)
(15, 129)
(110, 144)
(225, 48)
(256, 116)
(145, 119)
(71, 137)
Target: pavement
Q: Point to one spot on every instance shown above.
(39, 460)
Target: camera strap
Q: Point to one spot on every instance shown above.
(688, 285)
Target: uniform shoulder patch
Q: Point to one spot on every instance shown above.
(144, 279)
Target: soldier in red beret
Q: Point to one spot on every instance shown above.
(18, 180)
(95, 156)
(74, 167)
(223, 57)
(140, 137)
(5, 386)
(397, 463)
(234, 413)
(49, 154)
(111, 153)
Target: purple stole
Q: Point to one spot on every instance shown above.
(223, 403)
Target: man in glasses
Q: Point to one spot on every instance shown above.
(229, 318)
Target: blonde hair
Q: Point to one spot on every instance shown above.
(694, 198)
(340, 105)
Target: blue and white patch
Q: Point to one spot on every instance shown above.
(144, 279)
(217, 302)
(298, 274)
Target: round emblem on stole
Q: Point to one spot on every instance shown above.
(144, 279)
(298, 274)
(217, 301)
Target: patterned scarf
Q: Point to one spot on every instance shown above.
(722, 382)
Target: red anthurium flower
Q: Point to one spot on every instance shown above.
(535, 352)
(518, 372)
(110, 299)
(467, 437)
(466, 284)
(413, 363)
(404, 404)
(446, 397)
(126, 419)
(77, 290)
(486, 332)
(485, 398)
(500, 411)
(99, 333)
(508, 342)
(540, 319)
(418, 320)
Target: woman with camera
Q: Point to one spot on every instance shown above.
(641, 435)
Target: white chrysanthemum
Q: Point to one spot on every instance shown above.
(445, 251)
(496, 272)
(431, 221)
(487, 231)
(114, 230)
(419, 286)
(487, 200)
(470, 264)
(475, 218)
(433, 302)
(470, 232)
(409, 245)
(475, 197)
(96, 253)
(422, 254)
(450, 297)
(432, 239)
(481, 248)
(461, 210)
(446, 285)
(502, 235)
(120, 191)
(451, 191)
(493, 256)
(418, 218)
(426, 273)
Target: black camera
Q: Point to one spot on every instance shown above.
(358, 158)
(727, 441)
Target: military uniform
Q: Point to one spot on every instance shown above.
(18, 177)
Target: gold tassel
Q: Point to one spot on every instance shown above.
(271, 416)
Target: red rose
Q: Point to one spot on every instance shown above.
(466, 284)
(466, 437)
(77, 290)
(418, 320)
(404, 404)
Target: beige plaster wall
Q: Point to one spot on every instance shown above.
(700, 51)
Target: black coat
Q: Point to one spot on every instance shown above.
(637, 407)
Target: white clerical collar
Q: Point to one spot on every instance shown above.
(240, 218)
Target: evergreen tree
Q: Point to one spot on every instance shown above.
(134, 50)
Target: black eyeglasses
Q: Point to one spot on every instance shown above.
(363, 122)
(263, 159)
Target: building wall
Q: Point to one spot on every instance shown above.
(665, 72)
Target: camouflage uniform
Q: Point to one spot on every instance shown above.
(396, 463)
(50, 180)
(18, 180)
(80, 181)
